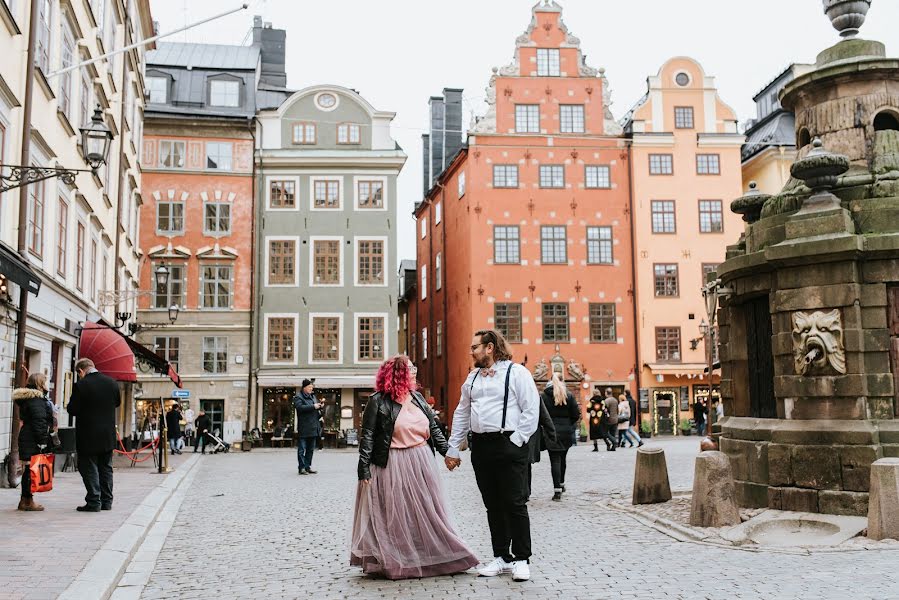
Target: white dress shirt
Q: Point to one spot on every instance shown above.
(480, 407)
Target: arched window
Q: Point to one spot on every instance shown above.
(886, 119)
(805, 138)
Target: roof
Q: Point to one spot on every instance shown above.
(407, 265)
(777, 129)
(208, 56)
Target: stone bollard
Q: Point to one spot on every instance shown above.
(714, 494)
(883, 500)
(651, 476)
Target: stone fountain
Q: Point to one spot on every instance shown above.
(810, 336)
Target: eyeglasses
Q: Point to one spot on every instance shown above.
(475, 347)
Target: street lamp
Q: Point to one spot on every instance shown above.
(162, 275)
(95, 139)
(711, 291)
(173, 313)
(174, 309)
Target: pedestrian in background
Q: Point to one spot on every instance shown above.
(543, 438)
(34, 433)
(401, 524)
(95, 398)
(173, 428)
(699, 416)
(624, 418)
(202, 424)
(564, 412)
(632, 424)
(610, 433)
(597, 420)
(308, 426)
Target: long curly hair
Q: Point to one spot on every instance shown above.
(395, 378)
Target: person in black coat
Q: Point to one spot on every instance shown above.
(173, 427)
(202, 424)
(34, 435)
(95, 398)
(308, 426)
(564, 412)
(543, 438)
(597, 424)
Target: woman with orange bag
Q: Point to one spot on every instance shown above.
(36, 418)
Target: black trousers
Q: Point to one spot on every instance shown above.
(25, 484)
(96, 472)
(610, 435)
(501, 470)
(200, 441)
(557, 465)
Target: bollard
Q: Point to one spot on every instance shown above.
(651, 476)
(883, 500)
(714, 496)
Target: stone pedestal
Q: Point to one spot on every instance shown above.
(714, 497)
(651, 476)
(883, 503)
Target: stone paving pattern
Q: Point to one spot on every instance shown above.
(251, 528)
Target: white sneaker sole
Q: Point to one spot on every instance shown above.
(520, 578)
(503, 572)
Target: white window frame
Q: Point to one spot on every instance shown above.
(424, 227)
(183, 164)
(424, 343)
(230, 157)
(340, 344)
(322, 238)
(150, 89)
(553, 57)
(296, 268)
(268, 192)
(384, 192)
(296, 334)
(525, 121)
(340, 192)
(385, 351)
(423, 281)
(461, 183)
(225, 96)
(438, 271)
(438, 213)
(365, 238)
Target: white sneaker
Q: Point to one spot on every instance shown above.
(496, 567)
(521, 570)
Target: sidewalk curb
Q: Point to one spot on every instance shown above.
(101, 574)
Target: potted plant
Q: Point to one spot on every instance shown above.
(685, 426)
(645, 429)
(247, 444)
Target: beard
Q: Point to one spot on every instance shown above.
(482, 362)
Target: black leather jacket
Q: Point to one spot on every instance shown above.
(377, 431)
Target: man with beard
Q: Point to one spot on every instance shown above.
(500, 405)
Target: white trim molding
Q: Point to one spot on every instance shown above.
(324, 238)
(385, 271)
(296, 334)
(385, 351)
(340, 317)
(340, 195)
(268, 192)
(296, 267)
(384, 192)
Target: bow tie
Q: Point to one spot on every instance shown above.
(487, 372)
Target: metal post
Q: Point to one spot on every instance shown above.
(708, 442)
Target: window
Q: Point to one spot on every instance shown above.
(42, 51)
(552, 176)
(370, 194)
(217, 218)
(158, 89)
(93, 281)
(602, 322)
(282, 262)
(461, 184)
(668, 344)
(424, 281)
(553, 245)
(424, 227)
(424, 343)
(438, 213)
(326, 262)
(304, 133)
(597, 176)
(548, 62)
(371, 262)
(599, 245)
(215, 354)
(371, 338)
(173, 291)
(348, 133)
(36, 219)
(224, 93)
(62, 236)
(282, 193)
(170, 217)
(218, 155)
(438, 338)
(437, 271)
(555, 322)
(167, 349)
(660, 164)
(706, 269)
(571, 118)
(86, 97)
(507, 320)
(527, 118)
(79, 257)
(708, 164)
(326, 338)
(682, 79)
(326, 194)
(683, 117)
(506, 245)
(67, 54)
(505, 176)
(171, 155)
(711, 217)
(663, 219)
(216, 286)
(665, 278)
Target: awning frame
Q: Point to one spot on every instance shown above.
(17, 270)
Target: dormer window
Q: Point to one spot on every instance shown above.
(348, 133)
(548, 62)
(224, 92)
(158, 90)
(304, 133)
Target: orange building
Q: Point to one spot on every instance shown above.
(686, 170)
(527, 228)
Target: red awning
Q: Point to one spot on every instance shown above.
(109, 350)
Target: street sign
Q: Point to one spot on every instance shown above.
(180, 393)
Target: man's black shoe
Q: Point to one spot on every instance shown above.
(311, 472)
(88, 508)
(106, 507)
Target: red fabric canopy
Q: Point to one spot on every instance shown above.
(109, 350)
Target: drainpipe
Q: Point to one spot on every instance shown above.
(251, 389)
(445, 290)
(638, 368)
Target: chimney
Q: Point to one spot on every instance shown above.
(426, 162)
(445, 137)
(271, 43)
(438, 109)
(452, 123)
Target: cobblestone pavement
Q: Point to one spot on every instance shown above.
(251, 528)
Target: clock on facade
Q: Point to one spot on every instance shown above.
(326, 101)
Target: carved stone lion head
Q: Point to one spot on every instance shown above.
(818, 342)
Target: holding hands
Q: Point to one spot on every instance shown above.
(452, 463)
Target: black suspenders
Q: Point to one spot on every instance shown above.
(502, 427)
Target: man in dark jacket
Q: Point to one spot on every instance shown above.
(202, 424)
(611, 430)
(95, 398)
(308, 430)
(632, 424)
(173, 427)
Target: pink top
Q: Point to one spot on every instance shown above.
(411, 427)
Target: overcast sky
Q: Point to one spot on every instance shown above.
(398, 53)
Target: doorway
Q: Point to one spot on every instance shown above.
(762, 403)
(215, 410)
(664, 409)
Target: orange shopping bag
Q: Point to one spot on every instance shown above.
(41, 473)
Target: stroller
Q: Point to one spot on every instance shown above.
(217, 444)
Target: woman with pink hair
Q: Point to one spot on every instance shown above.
(401, 526)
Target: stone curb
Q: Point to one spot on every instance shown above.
(102, 572)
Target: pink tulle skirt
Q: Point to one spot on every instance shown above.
(401, 527)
